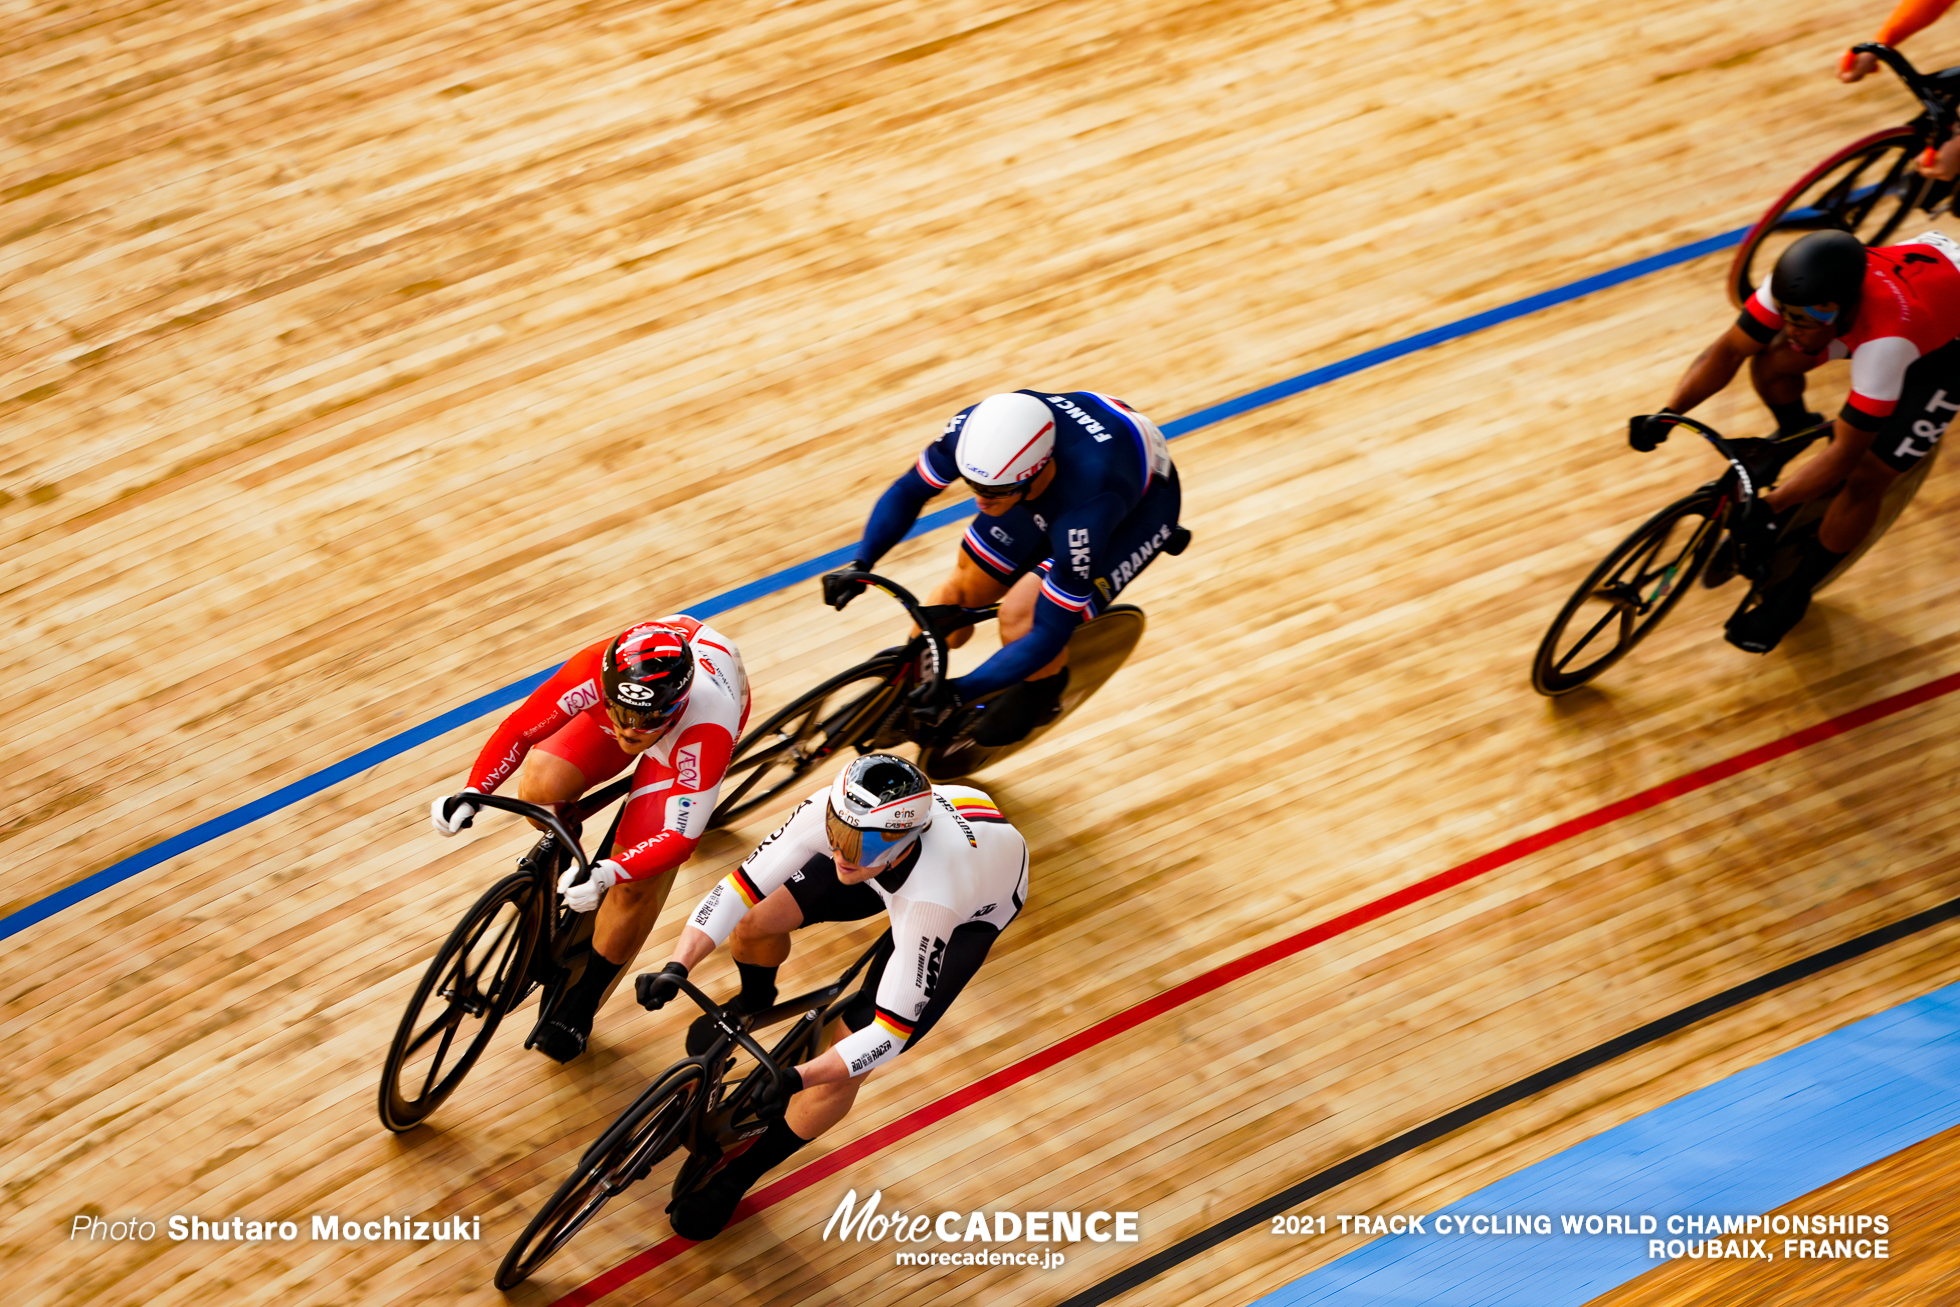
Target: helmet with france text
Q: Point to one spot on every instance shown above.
(879, 806)
(1821, 276)
(1004, 444)
(646, 674)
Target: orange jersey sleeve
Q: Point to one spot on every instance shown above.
(1911, 16)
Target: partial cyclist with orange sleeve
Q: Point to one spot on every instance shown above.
(668, 698)
(1911, 16)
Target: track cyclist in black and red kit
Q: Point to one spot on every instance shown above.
(1076, 494)
(1894, 311)
(943, 865)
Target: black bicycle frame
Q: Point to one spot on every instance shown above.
(1737, 457)
(1937, 93)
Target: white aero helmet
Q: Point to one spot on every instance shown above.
(879, 806)
(1006, 441)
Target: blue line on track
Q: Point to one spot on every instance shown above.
(395, 745)
(1743, 1146)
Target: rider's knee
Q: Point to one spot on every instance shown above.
(749, 932)
(1870, 479)
(1016, 617)
(546, 778)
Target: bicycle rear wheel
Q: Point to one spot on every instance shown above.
(478, 975)
(776, 754)
(1631, 590)
(642, 1136)
(1868, 188)
(1095, 651)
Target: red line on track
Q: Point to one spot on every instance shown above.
(1198, 986)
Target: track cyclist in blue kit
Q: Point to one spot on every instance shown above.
(1076, 493)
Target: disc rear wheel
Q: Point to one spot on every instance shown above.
(1096, 650)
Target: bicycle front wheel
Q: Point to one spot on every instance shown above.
(778, 753)
(1628, 594)
(476, 978)
(1868, 189)
(643, 1135)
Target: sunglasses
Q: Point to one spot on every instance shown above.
(1811, 315)
(993, 492)
(635, 719)
(865, 848)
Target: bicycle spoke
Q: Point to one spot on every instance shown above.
(435, 1063)
(1587, 638)
(505, 932)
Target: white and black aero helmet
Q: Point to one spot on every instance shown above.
(879, 806)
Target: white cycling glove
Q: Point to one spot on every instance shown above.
(463, 814)
(583, 898)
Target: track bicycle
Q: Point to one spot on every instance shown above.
(863, 707)
(1868, 188)
(698, 1103)
(515, 938)
(1643, 577)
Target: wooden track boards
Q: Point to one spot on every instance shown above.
(359, 361)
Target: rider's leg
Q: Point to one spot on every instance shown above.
(625, 918)
(1847, 521)
(760, 945)
(761, 941)
(559, 770)
(1023, 707)
(1927, 403)
(702, 1215)
(547, 778)
(970, 586)
(1778, 377)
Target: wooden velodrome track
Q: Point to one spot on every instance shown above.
(360, 359)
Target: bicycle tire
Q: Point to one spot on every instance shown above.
(1857, 189)
(778, 753)
(1550, 674)
(1096, 651)
(642, 1136)
(509, 982)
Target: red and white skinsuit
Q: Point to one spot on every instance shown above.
(676, 781)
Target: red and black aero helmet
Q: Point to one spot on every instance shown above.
(646, 674)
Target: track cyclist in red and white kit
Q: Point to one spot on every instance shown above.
(1894, 311)
(668, 698)
(939, 860)
(1077, 495)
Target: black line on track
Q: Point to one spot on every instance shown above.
(1361, 1163)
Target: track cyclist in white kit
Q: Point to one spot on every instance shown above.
(939, 860)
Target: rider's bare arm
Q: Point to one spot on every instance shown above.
(1818, 475)
(1715, 367)
(692, 947)
(827, 1068)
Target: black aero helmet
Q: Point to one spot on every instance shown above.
(647, 672)
(1825, 267)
